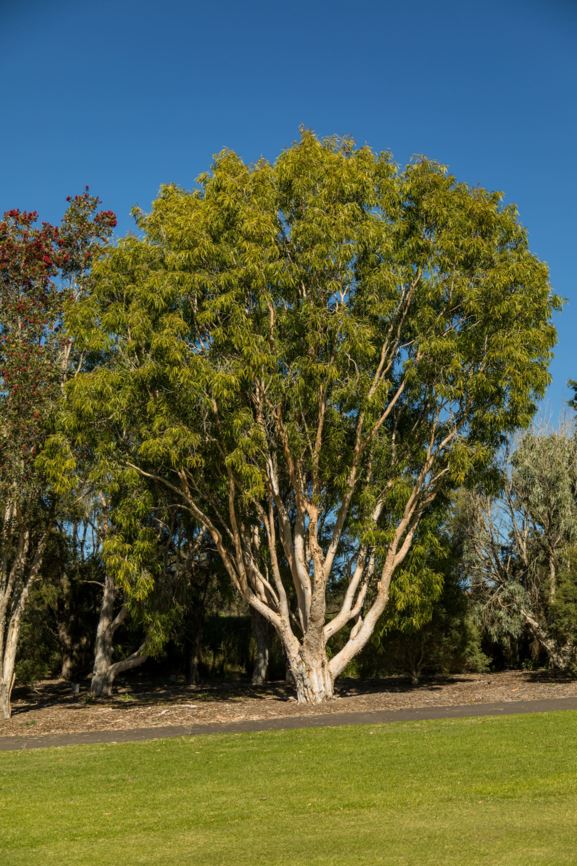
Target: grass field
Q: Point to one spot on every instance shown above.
(474, 791)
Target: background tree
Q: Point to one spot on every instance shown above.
(307, 355)
(40, 267)
(428, 626)
(519, 547)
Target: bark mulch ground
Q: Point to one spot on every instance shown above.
(52, 708)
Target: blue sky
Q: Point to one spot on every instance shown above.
(127, 95)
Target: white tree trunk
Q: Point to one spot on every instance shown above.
(16, 583)
(312, 677)
(7, 666)
(309, 664)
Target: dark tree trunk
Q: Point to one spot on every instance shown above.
(261, 632)
(67, 628)
(66, 650)
(194, 636)
(193, 657)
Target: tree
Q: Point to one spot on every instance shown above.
(41, 268)
(520, 547)
(308, 354)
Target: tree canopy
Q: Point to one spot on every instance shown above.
(308, 354)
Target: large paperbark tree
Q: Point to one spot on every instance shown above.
(308, 354)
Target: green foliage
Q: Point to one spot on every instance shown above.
(327, 336)
(40, 653)
(563, 611)
(286, 276)
(434, 634)
(41, 269)
(519, 548)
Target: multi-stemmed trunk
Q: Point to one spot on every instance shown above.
(105, 670)
(308, 659)
(312, 677)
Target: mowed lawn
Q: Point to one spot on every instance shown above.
(474, 791)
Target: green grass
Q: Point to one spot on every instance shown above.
(474, 791)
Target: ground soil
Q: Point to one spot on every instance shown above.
(52, 707)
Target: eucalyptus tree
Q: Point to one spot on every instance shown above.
(308, 354)
(520, 547)
(40, 268)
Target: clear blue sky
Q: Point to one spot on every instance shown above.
(127, 95)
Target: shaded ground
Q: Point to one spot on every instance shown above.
(52, 708)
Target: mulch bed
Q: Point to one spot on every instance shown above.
(52, 707)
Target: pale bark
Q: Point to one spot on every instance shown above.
(281, 552)
(310, 569)
(103, 680)
(105, 670)
(561, 657)
(310, 671)
(5, 705)
(7, 673)
(16, 579)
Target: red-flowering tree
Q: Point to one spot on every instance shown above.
(42, 267)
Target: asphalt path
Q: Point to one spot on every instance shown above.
(327, 720)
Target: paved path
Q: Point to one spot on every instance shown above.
(375, 717)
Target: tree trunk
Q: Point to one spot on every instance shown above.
(313, 680)
(193, 650)
(309, 667)
(194, 636)
(261, 634)
(561, 658)
(66, 650)
(67, 628)
(105, 670)
(5, 708)
(8, 663)
(103, 680)
(101, 685)
(15, 583)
